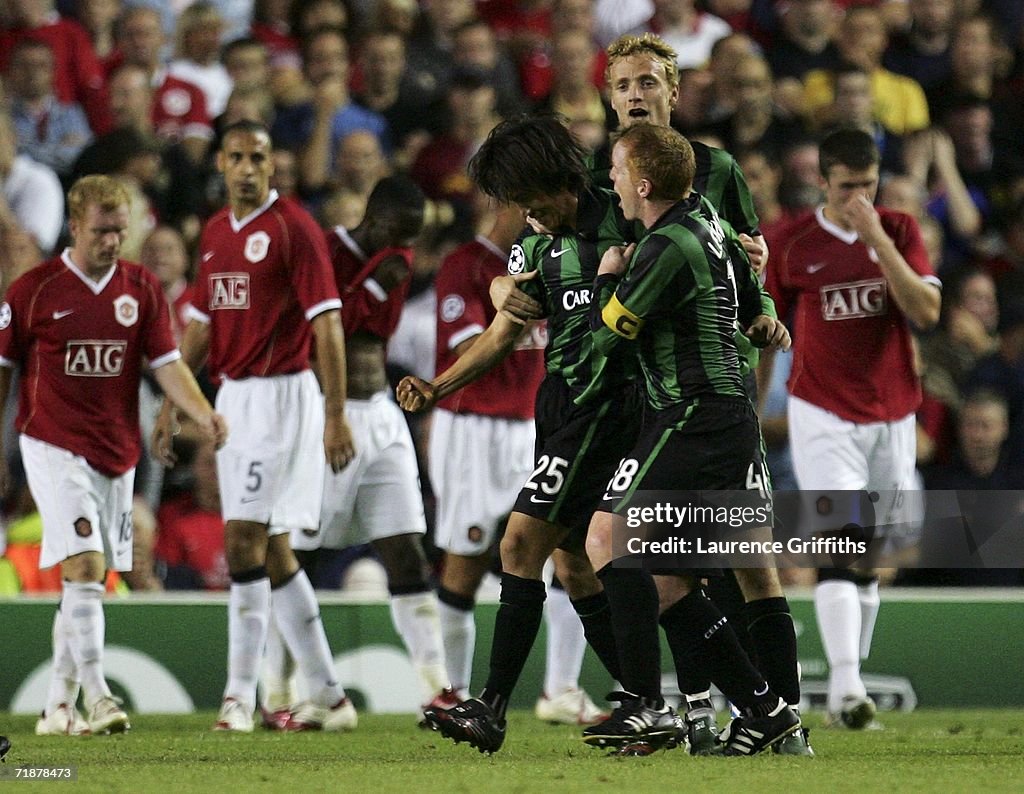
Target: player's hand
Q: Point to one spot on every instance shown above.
(863, 218)
(767, 332)
(214, 427)
(757, 251)
(338, 446)
(166, 428)
(537, 226)
(512, 302)
(967, 329)
(415, 395)
(615, 260)
(328, 95)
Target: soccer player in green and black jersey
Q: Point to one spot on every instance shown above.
(537, 164)
(679, 299)
(644, 86)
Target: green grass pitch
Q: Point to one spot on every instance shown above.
(927, 751)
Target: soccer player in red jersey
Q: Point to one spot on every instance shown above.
(79, 328)
(856, 279)
(376, 499)
(263, 291)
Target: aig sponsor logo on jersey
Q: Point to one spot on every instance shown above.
(229, 291)
(256, 246)
(94, 358)
(575, 298)
(867, 298)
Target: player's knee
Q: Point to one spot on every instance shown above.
(599, 540)
(403, 560)
(758, 583)
(522, 552)
(245, 545)
(463, 575)
(83, 568)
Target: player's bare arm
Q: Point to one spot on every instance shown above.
(195, 346)
(330, 347)
(487, 351)
(391, 272)
(917, 299)
(180, 387)
(512, 302)
(768, 332)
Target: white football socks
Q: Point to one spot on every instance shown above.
(64, 674)
(458, 632)
(418, 623)
(296, 614)
(838, 610)
(867, 594)
(82, 605)
(566, 644)
(248, 616)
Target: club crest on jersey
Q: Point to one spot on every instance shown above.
(94, 358)
(126, 310)
(176, 102)
(229, 291)
(452, 308)
(516, 259)
(867, 298)
(5, 315)
(256, 246)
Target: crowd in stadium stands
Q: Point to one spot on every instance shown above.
(354, 90)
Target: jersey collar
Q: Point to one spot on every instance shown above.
(491, 246)
(238, 224)
(349, 243)
(96, 286)
(848, 237)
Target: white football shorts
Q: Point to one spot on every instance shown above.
(833, 454)
(377, 495)
(271, 469)
(67, 490)
(478, 465)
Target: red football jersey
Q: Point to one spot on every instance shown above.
(464, 310)
(179, 108)
(365, 306)
(79, 345)
(261, 280)
(78, 75)
(851, 343)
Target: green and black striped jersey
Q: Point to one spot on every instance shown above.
(719, 179)
(568, 265)
(681, 296)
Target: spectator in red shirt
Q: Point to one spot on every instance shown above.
(190, 543)
(179, 107)
(78, 76)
